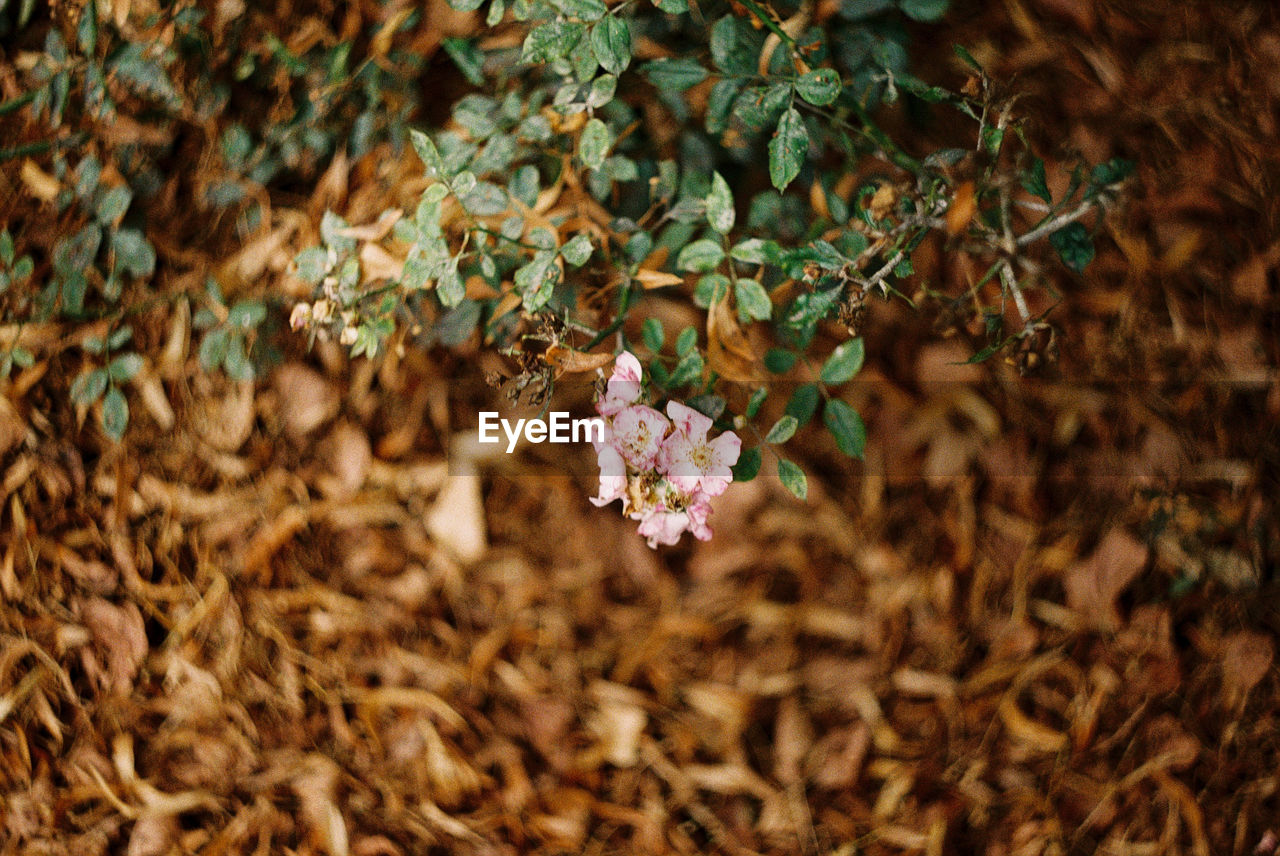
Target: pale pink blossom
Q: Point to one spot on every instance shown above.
(637, 434)
(663, 527)
(613, 476)
(623, 387)
(698, 511)
(690, 461)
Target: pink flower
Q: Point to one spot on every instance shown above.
(699, 510)
(690, 461)
(663, 527)
(637, 435)
(623, 388)
(613, 476)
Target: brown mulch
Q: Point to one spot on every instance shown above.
(1041, 618)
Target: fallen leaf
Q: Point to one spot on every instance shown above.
(1093, 585)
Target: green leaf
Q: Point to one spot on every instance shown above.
(450, 288)
(756, 402)
(1033, 181)
(237, 364)
(1114, 170)
(577, 250)
(783, 430)
(125, 367)
(611, 40)
(804, 403)
(753, 300)
(117, 339)
(788, 148)
(551, 41)
(687, 371)
(213, 348)
(720, 213)
(845, 362)
(924, 10)
(113, 204)
(467, 57)
(686, 341)
(711, 288)
(88, 387)
(701, 256)
(312, 264)
(427, 153)
(1074, 246)
(583, 10)
(674, 75)
(793, 478)
(735, 46)
(6, 247)
(846, 426)
(653, 334)
(710, 406)
(23, 269)
(672, 7)
(819, 87)
(536, 280)
(779, 360)
(115, 414)
(748, 465)
(134, 252)
(755, 251)
(466, 5)
(247, 314)
(964, 54)
(593, 145)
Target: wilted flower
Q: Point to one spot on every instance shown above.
(623, 387)
(300, 316)
(348, 336)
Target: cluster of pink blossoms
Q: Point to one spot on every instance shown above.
(663, 468)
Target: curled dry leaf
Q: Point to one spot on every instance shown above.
(568, 360)
(729, 354)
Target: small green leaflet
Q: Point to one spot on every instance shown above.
(115, 414)
(804, 402)
(793, 478)
(1033, 181)
(611, 41)
(845, 362)
(427, 153)
(924, 10)
(846, 426)
(720, 213)
(819, 87)
(701, 256)
(594, 144)
(551, 41)
(577, 250)
(1074, 246)
(788, 148)
(653, 334)
(748, 465)
(675, 74)
(783, 430)
(753, 300)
